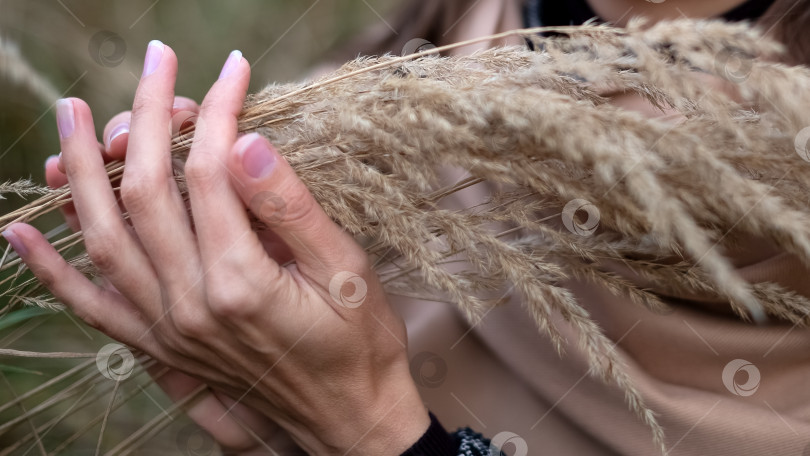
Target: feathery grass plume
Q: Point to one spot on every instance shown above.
(534, 131)
(17, 70)
(22, 188)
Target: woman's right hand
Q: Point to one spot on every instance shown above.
(228, 432)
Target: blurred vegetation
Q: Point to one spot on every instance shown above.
(94, 50)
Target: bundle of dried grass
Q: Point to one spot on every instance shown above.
(370, 140)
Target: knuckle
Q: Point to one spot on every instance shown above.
(139, 192)
(199, 171)
(300, 206)
(188, 322)
(230, 302)
(102, 248)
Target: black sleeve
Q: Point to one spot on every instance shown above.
(436, 441)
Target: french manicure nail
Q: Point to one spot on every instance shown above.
(233, 60)
(64, 117)
(258, 160)
(154, 52)
(119, 130)
(15, 242)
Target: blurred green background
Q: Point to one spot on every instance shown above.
(94, 50)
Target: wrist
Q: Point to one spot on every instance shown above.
(389, 422)
(401, 420)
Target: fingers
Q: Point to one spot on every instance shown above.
(270, 189)
(53, 176)
(101, 309)
(57, 179)
(148, 189)
(185, 104)
(224, 234)
(109, 244)
(116, 136)
(116, 132)
(226, 425)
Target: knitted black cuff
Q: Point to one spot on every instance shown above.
(436, 441)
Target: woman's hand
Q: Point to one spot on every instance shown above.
(313, 345)
(232, 432)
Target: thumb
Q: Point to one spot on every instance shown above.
(276, 196)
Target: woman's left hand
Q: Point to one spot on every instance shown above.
(312, 345)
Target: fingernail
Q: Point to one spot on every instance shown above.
(50, 159)
(154, 52)
(233, 60)
(119, 130)
(15, 242)
(258, 160)
(64, 117)
(60, 165)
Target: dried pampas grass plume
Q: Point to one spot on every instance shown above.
(532, 127)
(19, 72)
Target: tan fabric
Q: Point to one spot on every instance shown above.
(502, 375)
